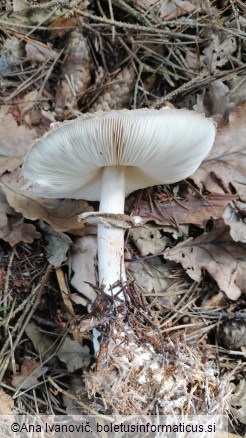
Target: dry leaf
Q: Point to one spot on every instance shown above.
(191, 210)
(149, 239)
(171, 9)
(58, 245)
(238, 401)
(74, 355)
(153, 277)
(218, 254)
(42, 343)
(225, 166)
(62, 215)
(33, 115)
(237, 85)
(76, 73)
(29, 374)
(236, 224)
(219, 51)
(6, 404)
(39, 52)
(12, 227)
(15, 141)
(18, 231)
(215, 101)
(76, 382)
(83, 260)
(167, 9)
(64, 23)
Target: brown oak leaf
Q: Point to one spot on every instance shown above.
(225, 166)
(191, 210)
(218, 254)
(15, 141)
(61, 214)
(12, 227)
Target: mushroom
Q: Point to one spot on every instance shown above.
(107, 155)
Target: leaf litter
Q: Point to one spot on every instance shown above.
(199, 224)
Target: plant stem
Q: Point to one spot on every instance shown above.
(111, 240)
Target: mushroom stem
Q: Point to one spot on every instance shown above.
(111, 239)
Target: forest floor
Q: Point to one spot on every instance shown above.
(183, 348)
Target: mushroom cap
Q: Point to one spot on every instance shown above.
(155, 146)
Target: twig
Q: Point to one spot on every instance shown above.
(137, 27)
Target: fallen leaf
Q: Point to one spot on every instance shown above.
(218, 254)
(76, 73)
(39, 52)
(148, 239)
(19, 231)
(171, 9)
(237, 85)
(215, 101)
(167, 9)
(58, 245)
(236, 224)
(238, 401)
(33, 115)
(75, 385)
(15, 141)
(6, 404)
(219, 51)
(42, 343)
(12, 227)
(74, 355)
(191, 210)
(28, 376)
(154, 278)
(60, 214)
(225, 166)
(83, 260)
(64, 23)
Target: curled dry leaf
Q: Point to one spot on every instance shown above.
(62, 215)
(225, 166)
(218, 254)
(15, 141)
(191, 210)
